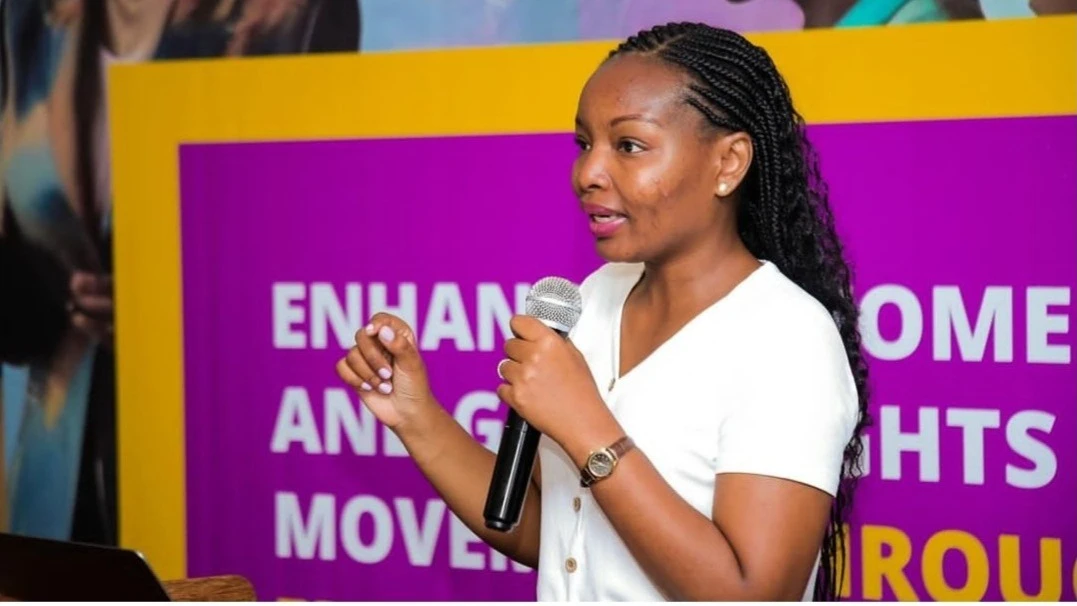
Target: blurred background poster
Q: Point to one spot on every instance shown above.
(56, 324)
(410, 24)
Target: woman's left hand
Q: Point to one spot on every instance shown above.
(548, 383)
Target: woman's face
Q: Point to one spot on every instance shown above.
(648, 171)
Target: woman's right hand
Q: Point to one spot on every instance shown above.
(387, 370)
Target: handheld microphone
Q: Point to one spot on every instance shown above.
(555, 302)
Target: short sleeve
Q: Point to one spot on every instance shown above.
(797, 411)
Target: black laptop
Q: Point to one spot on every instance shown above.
(34, 569)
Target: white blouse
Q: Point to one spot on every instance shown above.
(757, 383)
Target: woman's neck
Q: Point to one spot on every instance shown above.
(695, 279)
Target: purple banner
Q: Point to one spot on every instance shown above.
(963, 235)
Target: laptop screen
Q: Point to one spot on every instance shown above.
(33, 569)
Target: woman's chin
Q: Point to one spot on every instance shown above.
(615, 251)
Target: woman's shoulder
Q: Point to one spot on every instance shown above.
(781, 306)
(776, 325)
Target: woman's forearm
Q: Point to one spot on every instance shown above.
(683, 551)
(460, 470)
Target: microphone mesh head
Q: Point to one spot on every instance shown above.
(555, 301)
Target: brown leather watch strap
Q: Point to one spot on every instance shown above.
(622, 446)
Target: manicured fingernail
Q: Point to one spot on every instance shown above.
(365, 387)
(369, 329)
(385, 373)
(385, 388)
(386, 334)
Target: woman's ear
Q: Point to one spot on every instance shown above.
(732, 157)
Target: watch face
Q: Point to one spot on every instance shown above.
(600, 464)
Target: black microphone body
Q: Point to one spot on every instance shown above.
(556, 302)
(512, 472)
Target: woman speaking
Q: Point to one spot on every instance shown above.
(715, 371)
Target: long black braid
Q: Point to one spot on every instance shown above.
(784, 215)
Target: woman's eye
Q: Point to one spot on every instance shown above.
(629, 147)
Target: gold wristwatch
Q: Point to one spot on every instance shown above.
(601, 463)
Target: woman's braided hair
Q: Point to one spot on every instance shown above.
(784, 215)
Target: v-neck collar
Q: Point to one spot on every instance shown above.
(617, 328)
